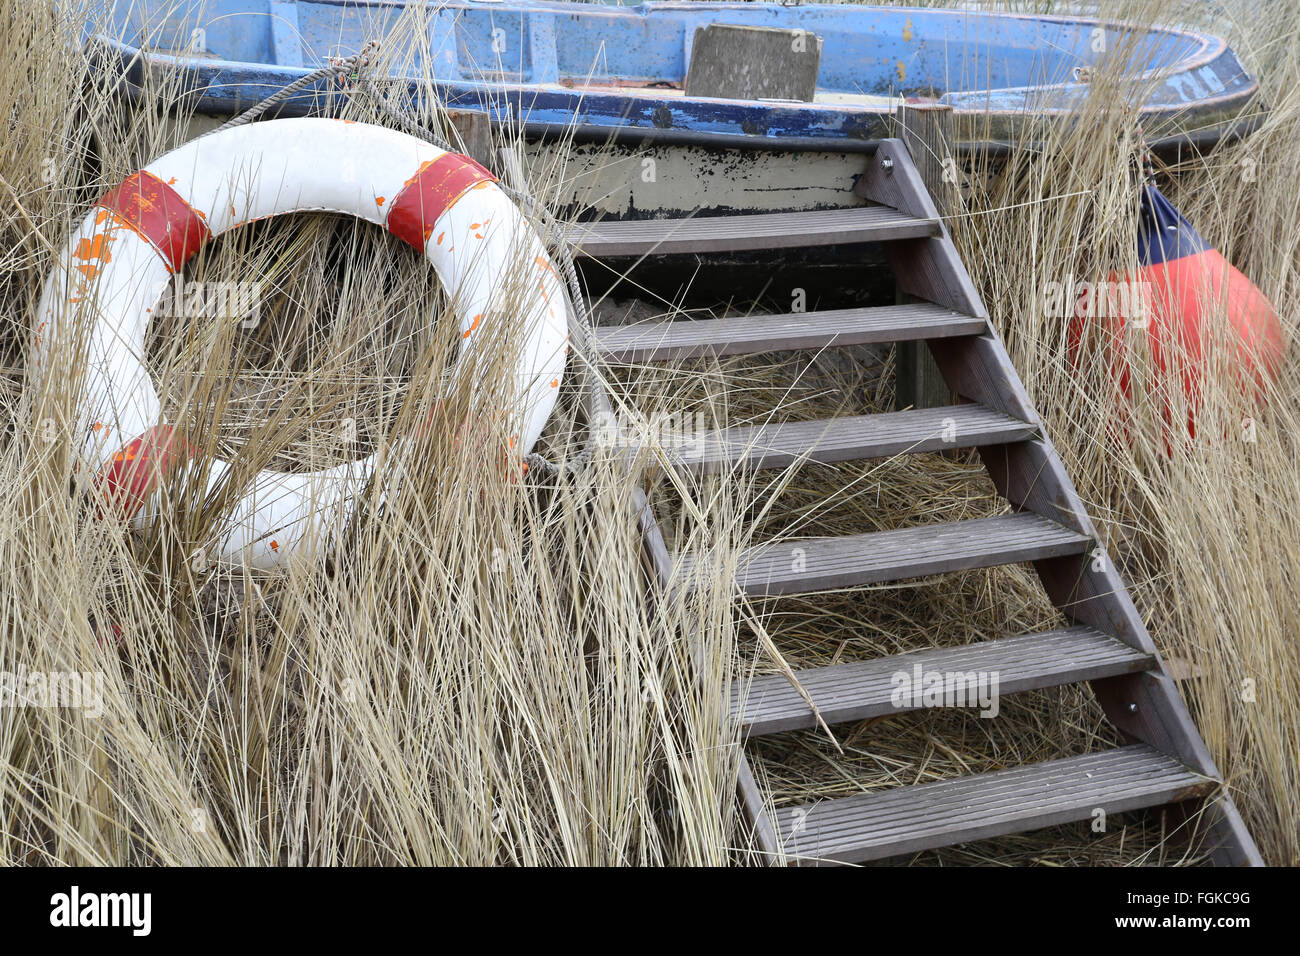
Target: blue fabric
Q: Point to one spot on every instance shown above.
(1163, 233)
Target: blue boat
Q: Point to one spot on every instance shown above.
(617, 76)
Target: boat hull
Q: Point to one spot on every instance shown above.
(641, 147)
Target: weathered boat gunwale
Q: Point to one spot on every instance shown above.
(1237, 127)
(635, 115)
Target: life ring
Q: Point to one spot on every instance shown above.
(144, 231)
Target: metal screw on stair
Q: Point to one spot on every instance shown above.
(887, 164)
(1132, 708)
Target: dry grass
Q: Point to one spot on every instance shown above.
(470, 674)
(473, 674)
(1208, 534)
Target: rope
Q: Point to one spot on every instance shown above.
(1146, 159)
(338, 68)
(349, 73)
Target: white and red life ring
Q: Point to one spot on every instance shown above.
(445, 205)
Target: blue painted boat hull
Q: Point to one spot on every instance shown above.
(615, 75)
(619, 70)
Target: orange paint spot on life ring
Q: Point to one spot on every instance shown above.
(96, 247)
(379, 200)
(547, 266)
(473, 326)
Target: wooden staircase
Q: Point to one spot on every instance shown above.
(1105, 644)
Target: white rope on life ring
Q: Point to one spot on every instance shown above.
(143, 232)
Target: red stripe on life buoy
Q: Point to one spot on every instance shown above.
(160, 216)
(131, 475)
(429, 193)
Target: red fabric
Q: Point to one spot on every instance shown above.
(429, 193)
(158, 213)
(132, 474)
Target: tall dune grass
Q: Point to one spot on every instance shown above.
(1206, 529)
(470, 674)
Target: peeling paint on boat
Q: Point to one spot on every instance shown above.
(643, 182)
(692, 179)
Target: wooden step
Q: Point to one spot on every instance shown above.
(781, 230)
(803, 565)
(871, 826)
(746, 335)
(863, 689)
(780, 444)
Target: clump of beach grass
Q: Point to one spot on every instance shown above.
(469, 673)
(1205, 529)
